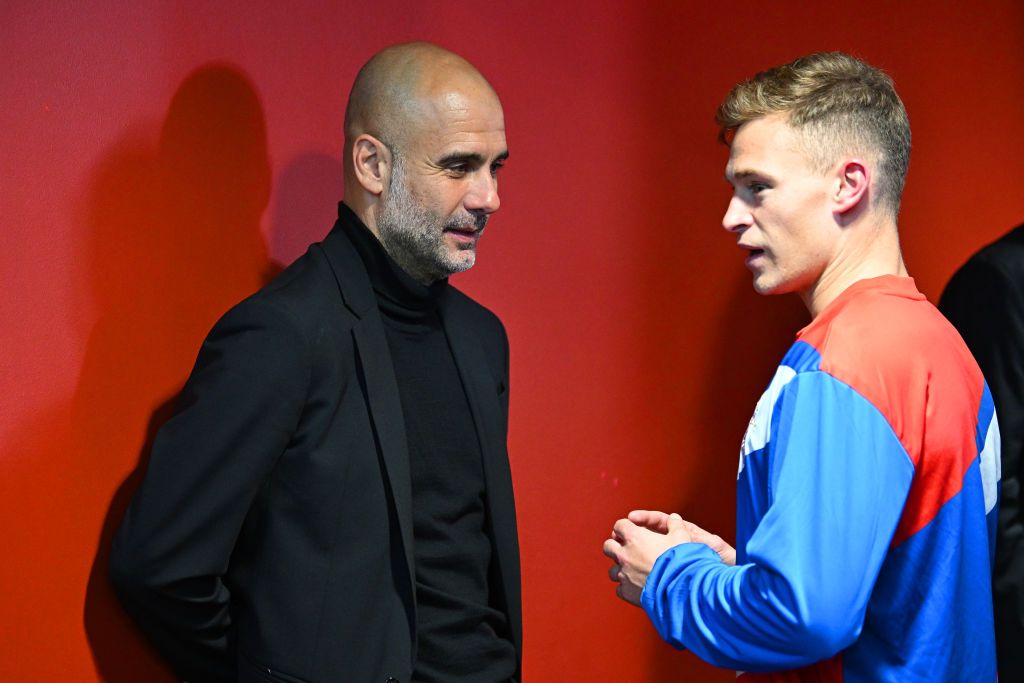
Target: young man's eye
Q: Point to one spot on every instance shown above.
(497, 166)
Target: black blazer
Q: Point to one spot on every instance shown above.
(985, 302)
(271, 538)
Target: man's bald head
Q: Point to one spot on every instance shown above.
(395, 92)
(424, 141)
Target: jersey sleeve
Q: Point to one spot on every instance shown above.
(838, 479)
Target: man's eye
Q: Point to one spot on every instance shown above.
(757, 188)
(458, 169)
(495, 167)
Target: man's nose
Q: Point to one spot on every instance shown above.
(737, 215)
(483, 194)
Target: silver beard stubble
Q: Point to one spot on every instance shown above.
(413, 235)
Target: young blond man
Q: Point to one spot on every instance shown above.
(868, 476)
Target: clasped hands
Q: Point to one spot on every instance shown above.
(642, 537)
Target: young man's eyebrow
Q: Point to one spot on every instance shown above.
(740, 175)
(746, 173)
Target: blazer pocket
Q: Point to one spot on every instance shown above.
(251, 672)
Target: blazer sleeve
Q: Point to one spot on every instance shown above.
(235, 416)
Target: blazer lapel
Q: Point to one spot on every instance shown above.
(481, 391)
(381, 385)
(386, 412)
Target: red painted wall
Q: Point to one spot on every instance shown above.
(158, 161)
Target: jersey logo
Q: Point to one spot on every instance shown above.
(759, 428)
(990, 465)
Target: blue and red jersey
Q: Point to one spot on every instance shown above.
(866, 510)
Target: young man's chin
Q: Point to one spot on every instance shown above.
(767, 287)
(763, 287)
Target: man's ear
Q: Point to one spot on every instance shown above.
(851, 188)
(371, 163)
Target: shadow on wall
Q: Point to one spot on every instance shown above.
(700, 290)
(172, 240)
(306, 196)
(750, 339)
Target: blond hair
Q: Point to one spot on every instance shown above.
(839, 104)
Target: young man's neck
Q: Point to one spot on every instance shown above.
(875, 253)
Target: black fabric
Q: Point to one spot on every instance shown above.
(985, 302)
(456, 628)
(272, 535)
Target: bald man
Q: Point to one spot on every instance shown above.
(332, 500)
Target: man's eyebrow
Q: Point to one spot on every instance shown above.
(474, 158)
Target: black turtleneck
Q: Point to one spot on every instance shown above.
(460, 636)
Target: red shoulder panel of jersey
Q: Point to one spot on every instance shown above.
(882, 338)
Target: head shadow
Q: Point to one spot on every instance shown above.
(170, 239)
(305, 198)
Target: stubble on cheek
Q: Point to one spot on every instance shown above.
(769, 278)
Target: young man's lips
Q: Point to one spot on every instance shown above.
(753, 255)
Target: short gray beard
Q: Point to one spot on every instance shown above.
(413, 236)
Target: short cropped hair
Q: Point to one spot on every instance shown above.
(839, 104)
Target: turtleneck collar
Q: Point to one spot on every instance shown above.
(398, 294)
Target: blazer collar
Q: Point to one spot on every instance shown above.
(353, 281)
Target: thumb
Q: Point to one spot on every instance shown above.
(675, 522)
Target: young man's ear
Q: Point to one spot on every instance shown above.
(851, 188)
(371, 163)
